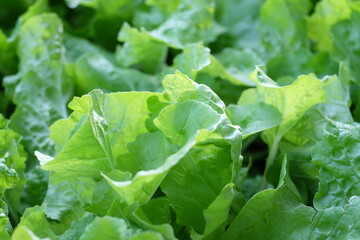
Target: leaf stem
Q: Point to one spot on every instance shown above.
(270, 160)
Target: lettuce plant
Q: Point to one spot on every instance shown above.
(203, 120)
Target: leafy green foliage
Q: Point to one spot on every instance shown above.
(184, 119)
(136, 44)
(345, 48)
(339, 142)
(12, 168)
(37, 89)
(326, 14)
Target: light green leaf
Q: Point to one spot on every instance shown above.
(9, 177)
(193, 59)
(85, 128)
(23, 233)
(34, 224)
(179, 88)
(234, 65)
(298, 142)
(164, 5)
(181, 121)
(197, 59)
(4, 226)
(140, 49)
(111, 129)
(253, 115)
(327, 13)
(293, 100)
(115, 229)
(12, 178)
(107, 228)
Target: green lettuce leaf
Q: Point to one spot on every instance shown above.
(345, 47)
(35, 187)
(337, 222)
(241, 21)
(94, 71)
(275, 213)
(77, 228)
(298, 142)
(33, 225)
(150, 15)
(196, 59)
(166, 6)
(253, 115)
(282, 67)
(157, 210)
(64, 201)
(115, 229)
(336, 155)
(76, 3)
(327, 13)
(132, 214)
(140, 49)
(191, 23)
(282, 102)
(101, 20)
(8, 58)
(234, 65)
(193, 59)
(283, 26)
(135, 161)
(39, 89)
(12, 168)
(76, 47)
(139, 160)
(286, 99)
(270, 210)
(38, 7)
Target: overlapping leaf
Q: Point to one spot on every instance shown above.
(113, 130)
(38, 89)
(12, 167)
(137, 160)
